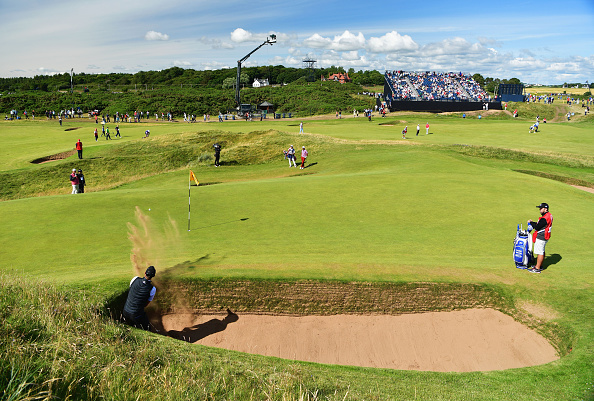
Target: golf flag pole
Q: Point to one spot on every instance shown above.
(189, 198)
(192, 177)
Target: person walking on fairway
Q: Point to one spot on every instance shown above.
(418, 129)
(96, 135)
(304, 155)
(79, 149)
(217, 149)
(541, 235)
(427, 128)
(301, 127)
(404, 131)
(141, 293)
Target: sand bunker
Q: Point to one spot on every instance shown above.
(459, 341)
(51, 158)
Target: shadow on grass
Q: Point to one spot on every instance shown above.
(220, 224)
(551, 260)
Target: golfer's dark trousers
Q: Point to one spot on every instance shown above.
(80, 154)
(139, 321)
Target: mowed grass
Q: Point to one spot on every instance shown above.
(369, 208)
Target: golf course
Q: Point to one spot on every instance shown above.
(375, 235)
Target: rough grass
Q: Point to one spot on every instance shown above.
(326, 297)
(488, 152)
(560, 178)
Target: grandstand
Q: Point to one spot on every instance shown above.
(434, 91)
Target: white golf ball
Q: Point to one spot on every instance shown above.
(149, 209)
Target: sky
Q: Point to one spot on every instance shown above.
(539, 42)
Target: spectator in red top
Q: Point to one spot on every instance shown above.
(79, 149)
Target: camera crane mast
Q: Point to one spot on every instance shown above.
(269, 41)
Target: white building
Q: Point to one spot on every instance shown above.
(260, 82)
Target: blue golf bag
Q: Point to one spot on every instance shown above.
(523, 247)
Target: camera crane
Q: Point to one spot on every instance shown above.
(269, 41)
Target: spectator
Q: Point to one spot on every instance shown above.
(304, 155)
(79, 149)
(81, 182)
(74, 181)
(217, 149)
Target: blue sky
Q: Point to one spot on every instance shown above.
(546, 42)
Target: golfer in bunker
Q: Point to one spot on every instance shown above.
(142, 291)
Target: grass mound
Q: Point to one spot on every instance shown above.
(326, 297)
(110, 166)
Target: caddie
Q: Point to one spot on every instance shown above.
(541, 235)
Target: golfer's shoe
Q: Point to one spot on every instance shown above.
(533, 270)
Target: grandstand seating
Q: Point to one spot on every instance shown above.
(433, 86)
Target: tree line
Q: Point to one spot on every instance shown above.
(179, 77)
(322, 97)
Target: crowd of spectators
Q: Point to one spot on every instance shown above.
(434, 86)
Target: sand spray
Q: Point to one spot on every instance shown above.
(152, 244)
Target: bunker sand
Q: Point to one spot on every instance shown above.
(459, 341)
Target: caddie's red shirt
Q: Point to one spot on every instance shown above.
(543, 227)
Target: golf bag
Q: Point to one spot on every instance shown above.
(523, 247)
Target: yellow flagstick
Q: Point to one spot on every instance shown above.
(192, 177)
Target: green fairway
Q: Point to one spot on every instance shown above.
(369, 207)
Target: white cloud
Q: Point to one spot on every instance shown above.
(241, 35)
(526, 63)
(179, 63)
(351, 56)
(214, 65)
(489, 42)
(48, 71)
(214, 43)
(348, 42)
(452, 47)
(391, 42)
(152, 35)
(344, 42)
(317, 42)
